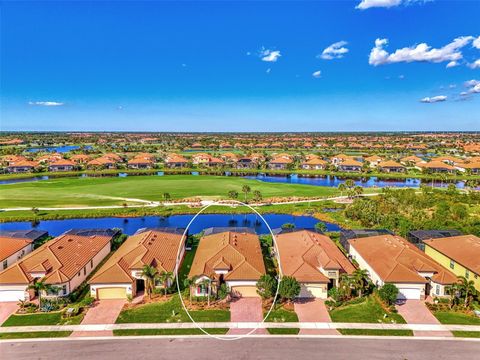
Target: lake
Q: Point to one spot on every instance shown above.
(59, 149)
(334, 181)
(131, 225)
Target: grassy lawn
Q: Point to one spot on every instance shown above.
(281, 315)
(450, 317)
(143, 332)
(169, 311)
(274, 331)
(376, 332)
(186, 264)
(71, 192)
(53, 318)
(466, 334)
(31, 335)
(369, 311)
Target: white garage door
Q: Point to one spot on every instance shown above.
(312, 291)
(408, 294)
(12, 295)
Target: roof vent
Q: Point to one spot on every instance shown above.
(60, 247)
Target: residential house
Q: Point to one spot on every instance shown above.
(392, 259)
(121, 275)
(350, 165)
(246, 163)
(417, 237)
(313, 259)
(347, 234)
(459, 254)
(472, 167)
(61, 165)
(64, 262)
(80, 158)
(228, 257)
(21, 166)
(390, 166)
(102, 163)
(314, 164)
(280, 161)
(412, 161)
(175, 161)
(374, 160)
(438, 167)
(140, 162)
(13, 249)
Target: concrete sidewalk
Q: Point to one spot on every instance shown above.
(242, 325)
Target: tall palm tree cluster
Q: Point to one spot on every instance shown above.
(151, 275)
(355, 285)
(462, 292)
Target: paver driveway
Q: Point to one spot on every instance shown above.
(7, 309)
(246, 309)
(313, 310)
(103, 312)
(416, 312)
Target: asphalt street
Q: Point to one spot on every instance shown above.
(251, 348)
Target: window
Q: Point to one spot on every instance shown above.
(452, 264)
(85, 270)
(475, 276)
(467, 274)
(437, 289)
(78, 273)
(64, 289)
(5, 264)
(91, 264)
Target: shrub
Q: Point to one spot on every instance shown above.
(388, 293)
(289, 288)
(266, 286)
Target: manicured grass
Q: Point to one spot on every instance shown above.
(276, 331)
(466, 334)
(369, 311)
(169, 311)
(71, 192)
(143, 332)
(451, 317)
(376, 332)
(53, 318)
(186, 265)
(31, 335)
(281, 315)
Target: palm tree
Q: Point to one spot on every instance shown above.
(257, 196)
(206, 282)
(149, 274)
(40, 287)
(246, 189)
(467, 287)
(349, 183)
(358, 190)
(166, 196)
(165, 277)
(341, 188)
(232, 194)
(346, 284)
(360, 277)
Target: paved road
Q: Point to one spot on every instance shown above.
(251, 348)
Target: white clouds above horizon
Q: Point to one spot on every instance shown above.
(419, 53)
(367, 4)
(434, 99)
(269, 55)
(335, 51)
(475, 64)
(476, 43)
(317, 74)
(473, 87)
(46, 103)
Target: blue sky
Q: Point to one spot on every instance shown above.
(240, 66)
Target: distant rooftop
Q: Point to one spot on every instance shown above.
(92, 232)
(24, 234)
(217, 230)
(170, 230)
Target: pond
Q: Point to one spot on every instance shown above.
(334, 181)
(131, 225)
(59, 149)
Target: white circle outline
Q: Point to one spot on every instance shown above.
(177, 265)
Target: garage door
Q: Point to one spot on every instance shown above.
(12, 295)
(408, 294)
(245, 291)
(312, 291)
(112, 293)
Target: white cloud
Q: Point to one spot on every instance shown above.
(475, 64)
(46, 103)
(452, 64)
(269, 55)
(317, 74)
(421, 52)
(434, 99)
(473, 86)
(367, 4)
(401, 77)
(476, 43)
(471, 83)
(268, 71)
(334, 51)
